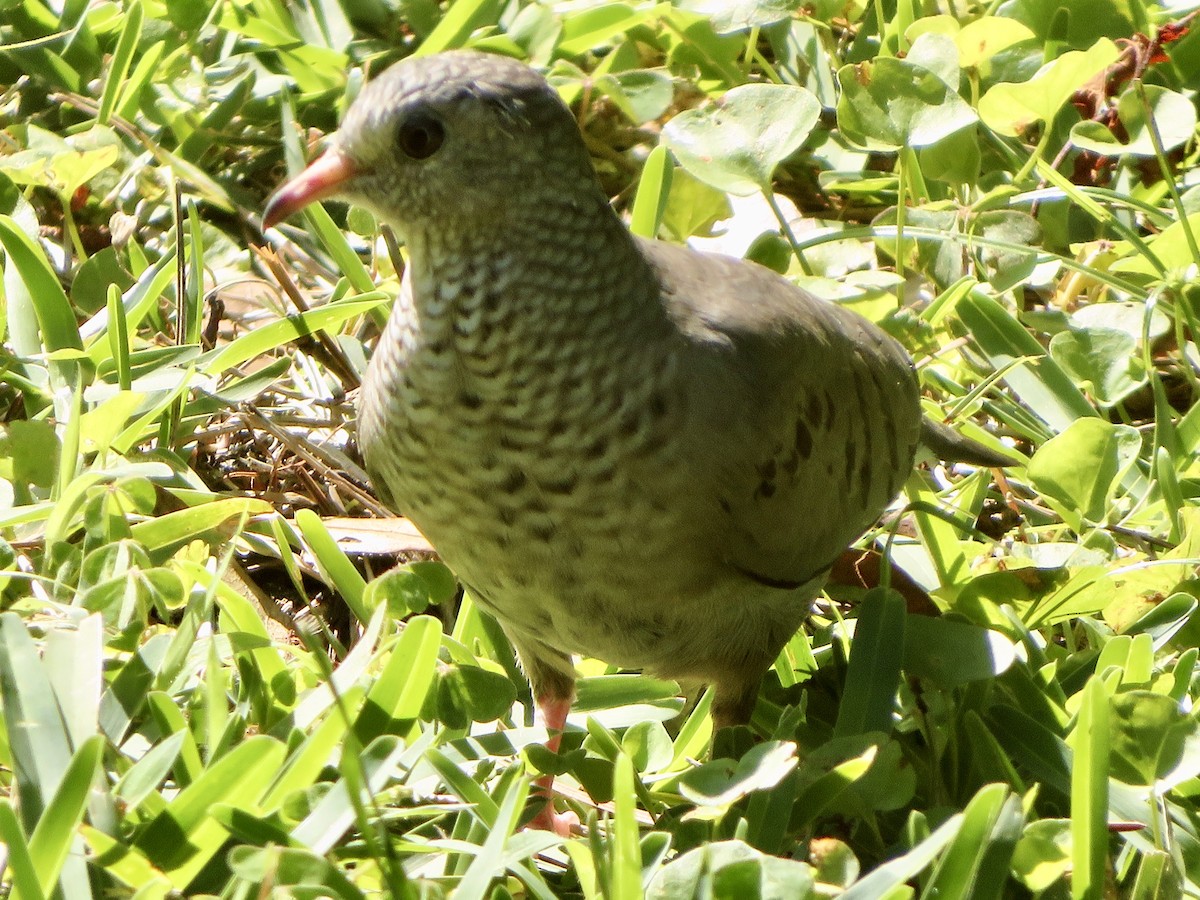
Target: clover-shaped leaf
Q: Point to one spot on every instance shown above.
(1076, 472)
(1101, 357)
(1173, 114)
(1010, 108)
(728, 16)
(736, 144)
(892, 103)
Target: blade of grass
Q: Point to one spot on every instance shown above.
(873, 674)
(118, 66)
(23, 873)
(333, 563)
(1089, 794)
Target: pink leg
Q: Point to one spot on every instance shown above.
(554, 715)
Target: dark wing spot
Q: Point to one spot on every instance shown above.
(654, 442)
(804, 441)
(470, 400)
(658, 406)
(564, 485)
(864, 474)
(596, 448)
(815, 412)
(765, 489)
(513, 482)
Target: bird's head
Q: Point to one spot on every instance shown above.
(458, 136)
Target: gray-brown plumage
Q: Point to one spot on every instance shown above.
(627, 449)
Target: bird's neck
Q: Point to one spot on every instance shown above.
(549, 274)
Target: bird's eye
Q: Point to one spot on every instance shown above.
(420, 137)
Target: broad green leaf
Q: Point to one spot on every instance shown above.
(739, 15)
(722, 782)
(952, 653)
(649, 746)
(692, 207)
(1102, 360)
(65, 166)
(290, 867)
(938, 54)
(816, 797)
(1152, 740)
(1043, 854)
(732, 869)
(1078, 471)
(1011, 108)
(890, 103)
(1170, 247)
(642, 95)
(979, 40)
(477, 694)
(596, 26)
(736, 144)
(652, 194)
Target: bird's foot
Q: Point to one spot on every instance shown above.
(563, 824)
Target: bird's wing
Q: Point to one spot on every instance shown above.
(806, 416)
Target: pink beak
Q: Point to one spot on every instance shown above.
(323, 178)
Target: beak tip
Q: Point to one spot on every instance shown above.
(271, 216)
(323, 178)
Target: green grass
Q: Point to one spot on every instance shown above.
(207, 687)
